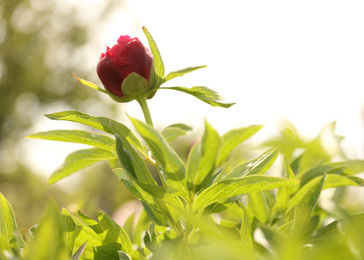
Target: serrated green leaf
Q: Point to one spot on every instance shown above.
(79, 160)
(259, 165)
(201, 162)
(8, 227)
(101, 123)
(77, 136)
(69, 230)
(115, 233)
(107, 252)
(205, 94)
(157, 58)
(179, 73)
(173, 169)
(233, 138)
(225, 189)
(173, 131)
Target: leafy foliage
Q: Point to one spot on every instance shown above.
(180, 211)
(208, 207)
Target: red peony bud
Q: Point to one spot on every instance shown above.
(117, 63)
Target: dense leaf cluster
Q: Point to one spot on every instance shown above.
(206, 207)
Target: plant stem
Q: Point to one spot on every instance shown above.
(142, 100)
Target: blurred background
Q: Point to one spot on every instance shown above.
(280, 61)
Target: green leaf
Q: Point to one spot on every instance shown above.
(154, 196)
(225, 189)
(101, 123)
(334, 180)
(284, 193)
(205, 94)
(107, 252)
(134, 187)
(79, 160)
(77, 136)
(173, 169)
(124, 256)
(201, 162)
(115, 233)
(349, 167)
(69, 230)
(157, 58)
(87, 238)
(48, 242)
(173, 131)
(179, 73)
(8, 228)
(259, 206)
(94, 225)
(233, 138)
(247, 227)
(259, 165)
(79, 252)
(132, 162)
(308, 194)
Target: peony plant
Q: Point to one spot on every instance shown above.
(210, 206)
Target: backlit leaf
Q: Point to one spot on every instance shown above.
(179, 73)
(101, 123)
(225, 189)
(205, 94)
(77, 136)
(8, 227)
(233, 138)
(79, 160)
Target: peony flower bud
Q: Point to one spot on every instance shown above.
(126, 68)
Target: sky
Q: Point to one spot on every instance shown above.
(301, 61)
(296, 60)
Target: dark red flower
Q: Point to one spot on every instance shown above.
(127, 56)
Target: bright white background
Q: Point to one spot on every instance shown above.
(300, 60)
(296, 60)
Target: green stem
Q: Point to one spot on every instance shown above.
(142, 100)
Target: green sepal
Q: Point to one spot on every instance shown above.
(134, 84)
(157, 59)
